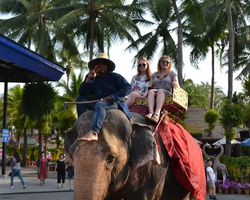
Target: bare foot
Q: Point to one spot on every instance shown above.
(91, 135)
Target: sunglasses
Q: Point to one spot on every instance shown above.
(165, 62)
(144, 65)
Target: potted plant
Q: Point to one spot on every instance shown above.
(247, 188)
(239, 188)
(225, 188)
(232, 187)
(217, 183)
(220, 188)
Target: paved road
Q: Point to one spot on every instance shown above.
(49, 191)
(231, 197)
(39, 196)
(69, 196)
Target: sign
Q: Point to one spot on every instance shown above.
(5, 135)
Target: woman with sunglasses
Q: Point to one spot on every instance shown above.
(161, 83)
(139, 82)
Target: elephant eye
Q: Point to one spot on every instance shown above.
(110, 159)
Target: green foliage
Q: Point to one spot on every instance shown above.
(238, 168)
(196, 135)
(231, 114)
(38, 100)
(34, 153)
(246, 85)
(10, 150)
(28, 152)
(55, 152)
(210, 117)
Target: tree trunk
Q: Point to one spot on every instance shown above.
(180, 42)
(230, 51)
(18, 142)
(212, 80)
(230, 68)
(91, 41)
(40, 141)
(57, 138)
(45, 146)
(24, 156)
(228, 146)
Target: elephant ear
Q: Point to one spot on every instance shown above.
(143, 146)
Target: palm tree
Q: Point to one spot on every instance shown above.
(38, 102)
(97, 23)
(148, 44)
(71, 59)
(180, 42)
(14, 110)
(28, 26)
(71, 91)
(203, 33)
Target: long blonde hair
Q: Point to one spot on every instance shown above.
(159, 64)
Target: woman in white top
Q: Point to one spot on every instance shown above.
(160, 85)
(139, 82)
(16, 170)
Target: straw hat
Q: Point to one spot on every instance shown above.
(102, 56)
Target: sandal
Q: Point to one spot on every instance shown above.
(155, 118)
(148, 116)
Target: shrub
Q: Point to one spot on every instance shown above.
(210, 117)
(10, 150)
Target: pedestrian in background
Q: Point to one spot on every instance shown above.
(61, 170)
(16, 170)
(42, 165)
(70, 170)
(211, 180)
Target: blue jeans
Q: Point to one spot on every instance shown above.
(18, 173)
(100, 114)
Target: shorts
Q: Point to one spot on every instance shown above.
(211, 184)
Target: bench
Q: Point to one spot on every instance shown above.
(175, 104)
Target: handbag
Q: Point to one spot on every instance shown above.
(14, 174)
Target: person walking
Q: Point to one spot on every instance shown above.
(16, 170)
(42, 165)
(70, 170)
(61, 170)
(211, 180)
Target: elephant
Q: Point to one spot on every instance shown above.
(119, 165)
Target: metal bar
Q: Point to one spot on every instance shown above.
(82, 102)
(4, 125)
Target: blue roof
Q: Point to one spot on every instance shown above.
(20, 64)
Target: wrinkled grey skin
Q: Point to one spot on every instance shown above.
(118, 165)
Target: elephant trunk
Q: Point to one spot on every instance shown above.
(91, 179)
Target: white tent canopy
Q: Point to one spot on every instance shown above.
(223, 141)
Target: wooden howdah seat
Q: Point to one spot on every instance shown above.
(176, 104)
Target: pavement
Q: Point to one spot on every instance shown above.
(33, 185)
(32, 182)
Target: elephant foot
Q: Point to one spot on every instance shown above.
(90, 136)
